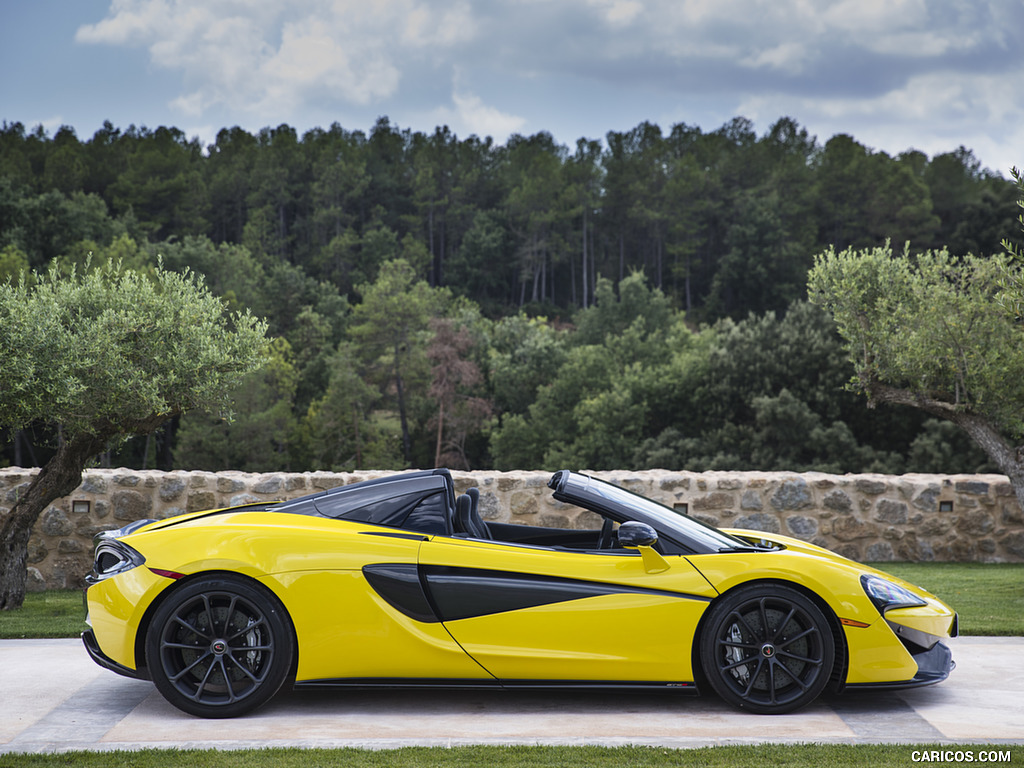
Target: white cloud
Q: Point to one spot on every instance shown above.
(932, 112)
(618, 12)
(272, 57)
(483, 120)
(898, 73)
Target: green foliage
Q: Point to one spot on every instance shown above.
(389, 329)
(524, 354)
(929, 325)
(111, 350)
(343, 431)
(615, 235)
(260, 435)
(13, 263)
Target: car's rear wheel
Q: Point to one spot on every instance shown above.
(767, 648)
(219, 646)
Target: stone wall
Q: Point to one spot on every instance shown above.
(865, 517)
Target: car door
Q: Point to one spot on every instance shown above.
(531, 614)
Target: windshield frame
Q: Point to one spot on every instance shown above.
(604, 498)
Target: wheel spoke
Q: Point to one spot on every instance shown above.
(753, 678)
(209, 615)
(245, 670)
(191, 627)
(804, 659)
(229, 614)
(190, 667)
(730, 667)
(782, 625)
(229, 685)
(745, 646)
(197, 696)
(183, 646)
(743, 621)
(794, 678)
(790, 640)
(259, 622)
(766, 632)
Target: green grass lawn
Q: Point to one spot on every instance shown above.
(988, 597)
(55, 613)
(791, 756)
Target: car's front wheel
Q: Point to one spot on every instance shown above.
(767, 648)
(219, 646)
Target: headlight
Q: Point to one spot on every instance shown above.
(886, 595)
(112, 557)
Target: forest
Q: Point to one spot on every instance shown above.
(632, 302)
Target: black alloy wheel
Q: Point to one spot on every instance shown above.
(767, 648)
(219, 647)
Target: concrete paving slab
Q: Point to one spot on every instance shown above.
(55, 699)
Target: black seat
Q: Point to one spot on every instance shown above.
(467, 515)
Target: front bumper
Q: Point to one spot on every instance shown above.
(93, 649)
(933, 666)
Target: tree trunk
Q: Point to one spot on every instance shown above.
(440, 433)
(1009, 459)
(355, 429)
(400, 392)
(585, 270)
(61, 475)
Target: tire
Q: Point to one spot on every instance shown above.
(219, 647)
(767, 648)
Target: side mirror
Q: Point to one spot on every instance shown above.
(633, 534)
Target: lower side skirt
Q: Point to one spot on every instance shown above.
(476, 684)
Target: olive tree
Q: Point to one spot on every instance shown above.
(931, 332)
(101, 355)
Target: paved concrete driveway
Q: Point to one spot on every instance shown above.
(53, 698)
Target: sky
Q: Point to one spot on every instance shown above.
(896, 75)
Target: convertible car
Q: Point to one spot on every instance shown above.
(398, 581)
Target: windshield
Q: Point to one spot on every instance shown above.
(682, 528)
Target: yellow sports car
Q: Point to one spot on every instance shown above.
(398, 581)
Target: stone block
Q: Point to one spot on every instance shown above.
(892, 512)
(172, 488)
(199, 501)
(838, 501)
(759, 521)
(973, 487)
(751, 501)
(792, 494)
(801, 526)
(976, 523)
(870, 486)
(230, 484)
(53, 522)
(715, 500)
(131, 505)
(70, 547)
(879, 552)
(269, 485)
(524, 503)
